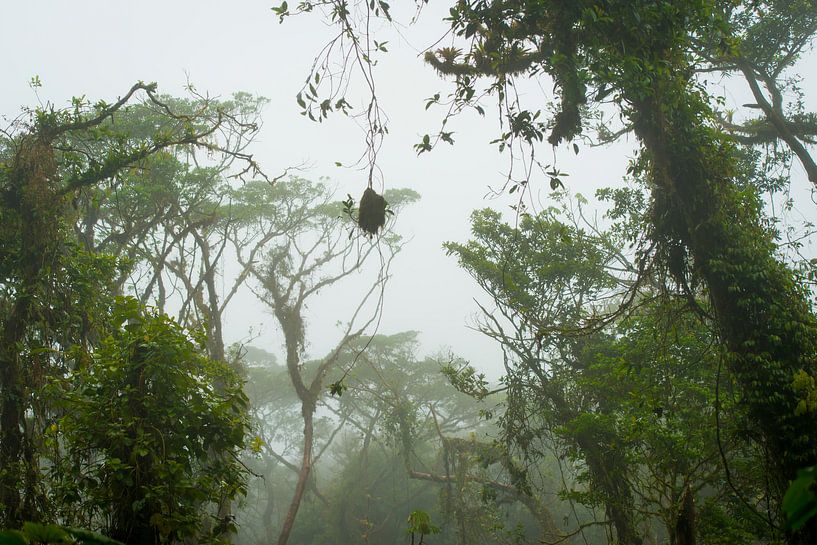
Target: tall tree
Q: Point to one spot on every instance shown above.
(169, 218)
(48, 158)
(629, 401)
(312, 255)
(705, 223)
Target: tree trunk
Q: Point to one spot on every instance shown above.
(31, 193)
(608, 471)
(269, 509)
(12, 390)
(217, 352)
(608, 468)
(763, 316)
(303, 475)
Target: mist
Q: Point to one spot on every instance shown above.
(577, 306)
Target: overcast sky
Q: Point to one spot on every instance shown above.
(100, 48)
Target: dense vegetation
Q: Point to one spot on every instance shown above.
(659, 366)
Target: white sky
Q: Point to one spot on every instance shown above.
(99, 48)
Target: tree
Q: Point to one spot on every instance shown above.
(544, 278)
(169, 218)
(630, 402)
(772, 35)
(704, 223)
(312, 254)
(49, 157)
(278, 425)
(359, 488)
(406, 410)
(408, 442)
(141, 422)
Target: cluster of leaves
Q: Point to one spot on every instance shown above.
(52, 534)
(113, 417)
(419, 523)
(152, 416)
(628, 400)
(800, 501)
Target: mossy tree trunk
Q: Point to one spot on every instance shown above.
(767, 328)
(705, 215)
(31, 205)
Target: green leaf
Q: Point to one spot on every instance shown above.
(800, 501)
(88, 537)
(12, 537)
(336, 389)
(46, 533)
(419, 522)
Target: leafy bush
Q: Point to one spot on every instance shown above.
(152, 429)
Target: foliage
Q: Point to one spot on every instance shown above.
(800, 501)
(627, 400)
(419, 522)
(52, 534)
(406, 441)
(407, 413)
(169, 216)
(140, 428)
(56, 288)
(642, 58)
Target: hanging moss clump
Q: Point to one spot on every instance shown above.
(372, 214)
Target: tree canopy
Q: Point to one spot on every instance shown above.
(657, 377)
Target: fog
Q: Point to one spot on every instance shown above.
(99, 49)
(609, 413)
